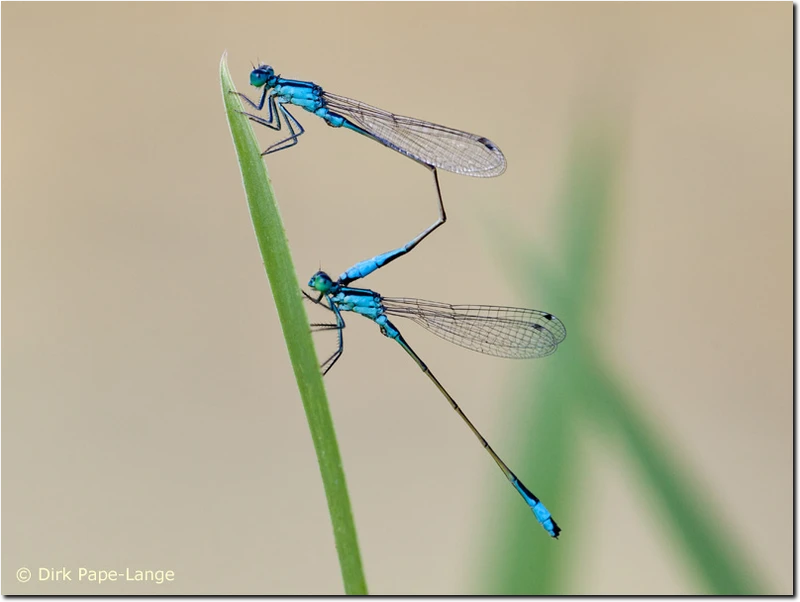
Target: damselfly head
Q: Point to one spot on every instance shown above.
(321, 282)
(261, 75)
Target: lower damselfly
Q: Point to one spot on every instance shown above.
(500, 331)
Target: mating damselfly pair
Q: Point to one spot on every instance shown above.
(500, 331)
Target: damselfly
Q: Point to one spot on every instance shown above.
(434, 146)
(501, 331)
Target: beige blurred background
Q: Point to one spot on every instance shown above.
(150, 415)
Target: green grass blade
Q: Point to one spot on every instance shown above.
(285, 287)
(713, 559)
(591, 390)
(710, 554)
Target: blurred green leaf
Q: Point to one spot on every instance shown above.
(583, 388)
(708, 551)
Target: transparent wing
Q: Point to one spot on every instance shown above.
(501, 331)
(435, 145)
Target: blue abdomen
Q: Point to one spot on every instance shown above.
(332, 119)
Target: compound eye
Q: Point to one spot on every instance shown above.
(258, 77)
